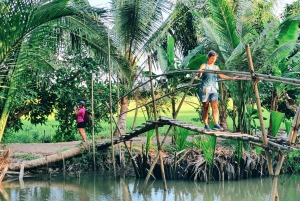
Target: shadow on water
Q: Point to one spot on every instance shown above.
(106, 188)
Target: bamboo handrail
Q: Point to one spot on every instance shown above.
(237, 73)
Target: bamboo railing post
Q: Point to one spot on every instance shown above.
(168, 131)
(258, 105)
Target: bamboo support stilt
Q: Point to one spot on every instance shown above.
(156, 127)
(129, 150)
(64, 164)
(4, 193)
(291, 139)
(21, 171)
(93, 127)
(258, 104)
(163, 141)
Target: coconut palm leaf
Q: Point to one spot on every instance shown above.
(224, 23)
(34, 32)
(273, 45)
(134, 23)
(162, 58)
(244, 12)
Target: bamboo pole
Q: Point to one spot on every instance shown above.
(110, 108)
(237, 73)
(129, 150)
(118, 96)
(93, 126)
(289, 81)
(156, 128)
(294, 131)
(168, 94)
(168, 131)
(291, 139)
(4, 193)
(258, 104)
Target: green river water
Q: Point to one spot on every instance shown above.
(106, 188)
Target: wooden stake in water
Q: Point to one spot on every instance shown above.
(165, 138)
(156, 127)
(129, 150)
(93, 125)
(291, 139)
(110, 108)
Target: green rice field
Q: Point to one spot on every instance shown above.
(43, 133)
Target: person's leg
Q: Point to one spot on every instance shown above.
(215, 111)
(82, 133)
(205, 106)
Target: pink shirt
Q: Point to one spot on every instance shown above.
(80, 115)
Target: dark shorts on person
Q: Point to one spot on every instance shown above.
(81, 125)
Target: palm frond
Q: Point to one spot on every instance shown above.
(135, 22)
(244, 12)
(224, 22)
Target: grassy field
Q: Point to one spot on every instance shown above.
(44, 133)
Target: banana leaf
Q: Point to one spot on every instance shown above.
(196, 62)
(288, 125)
(191, 54)
(171, 56)
(277, 118)
(162, 58)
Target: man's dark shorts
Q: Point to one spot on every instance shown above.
(81, 125)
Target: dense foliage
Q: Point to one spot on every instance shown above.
(47, 63)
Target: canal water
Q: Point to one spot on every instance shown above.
(106, 188)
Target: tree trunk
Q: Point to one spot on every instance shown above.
(48, 159)
(223, 106)
(122, 117)
(173, 103)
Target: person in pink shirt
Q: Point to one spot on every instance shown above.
(80, 119)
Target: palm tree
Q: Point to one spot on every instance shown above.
(135, 23)
(35, 32)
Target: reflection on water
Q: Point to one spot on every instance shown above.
(106, 188)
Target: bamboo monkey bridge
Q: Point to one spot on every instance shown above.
(268, 143)
(276, 144)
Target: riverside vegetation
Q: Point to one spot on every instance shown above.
(190, 156)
